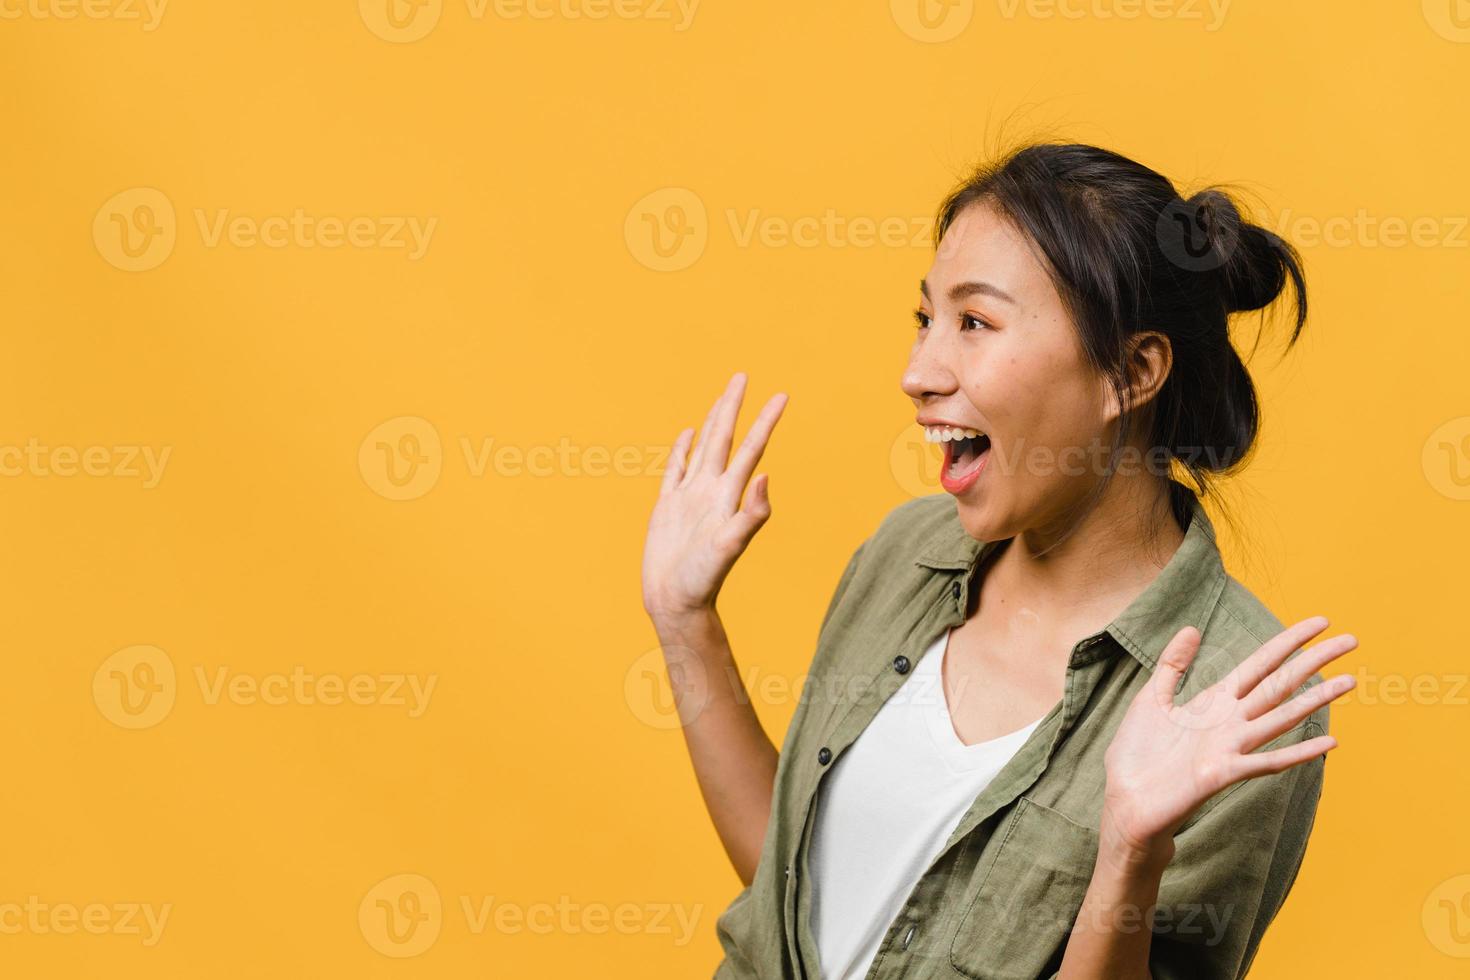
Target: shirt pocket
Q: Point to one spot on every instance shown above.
(1019, 918)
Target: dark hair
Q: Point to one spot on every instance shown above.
(1127, 254)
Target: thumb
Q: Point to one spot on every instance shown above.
(757, 506)
(1173, 662)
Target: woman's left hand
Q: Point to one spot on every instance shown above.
(1166, 760)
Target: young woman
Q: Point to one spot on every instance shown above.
(1045, 733)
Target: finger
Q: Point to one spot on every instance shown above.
(1277, 760)
(1173, 662)
(1285, 717)
(1294, 673)
(675, 470)
(1249, 672)
(702, 442)
(756, 509)
(722, 432)
(754, 444)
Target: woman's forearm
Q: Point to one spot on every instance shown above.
(734, 760)
(1113, 934)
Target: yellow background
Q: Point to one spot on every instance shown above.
(543, 772)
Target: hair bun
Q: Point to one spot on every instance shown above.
(1253, 263)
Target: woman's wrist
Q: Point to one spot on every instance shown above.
(674, 622)
(1128, 852)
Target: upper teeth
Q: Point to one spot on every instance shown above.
(947, 433)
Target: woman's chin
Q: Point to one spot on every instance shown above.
(975, 516)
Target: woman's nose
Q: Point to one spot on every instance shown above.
(930, 370)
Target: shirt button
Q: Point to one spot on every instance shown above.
(901, 664)
(909, 936)
(824, 755)
(955, 590)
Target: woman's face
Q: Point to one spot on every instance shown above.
(996, 353)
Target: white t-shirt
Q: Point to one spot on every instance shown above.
(886, 810)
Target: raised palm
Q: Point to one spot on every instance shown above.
(708, 507)
(1167, 759)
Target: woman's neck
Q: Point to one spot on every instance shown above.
(1091, 572)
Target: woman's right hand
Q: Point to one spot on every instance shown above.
(706, 515)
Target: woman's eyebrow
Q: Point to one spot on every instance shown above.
(964, 290)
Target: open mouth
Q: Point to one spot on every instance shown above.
(965, 453)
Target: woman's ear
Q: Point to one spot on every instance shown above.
(1150, 357)
(1147, 363)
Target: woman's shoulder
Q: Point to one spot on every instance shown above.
(916, 524)
(1242, 613)
(888, 563)
(1238, 626)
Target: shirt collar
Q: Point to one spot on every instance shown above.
(1183, 594)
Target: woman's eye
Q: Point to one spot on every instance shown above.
(970, 321)
(921, 318)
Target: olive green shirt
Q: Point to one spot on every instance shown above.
(998, 901)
